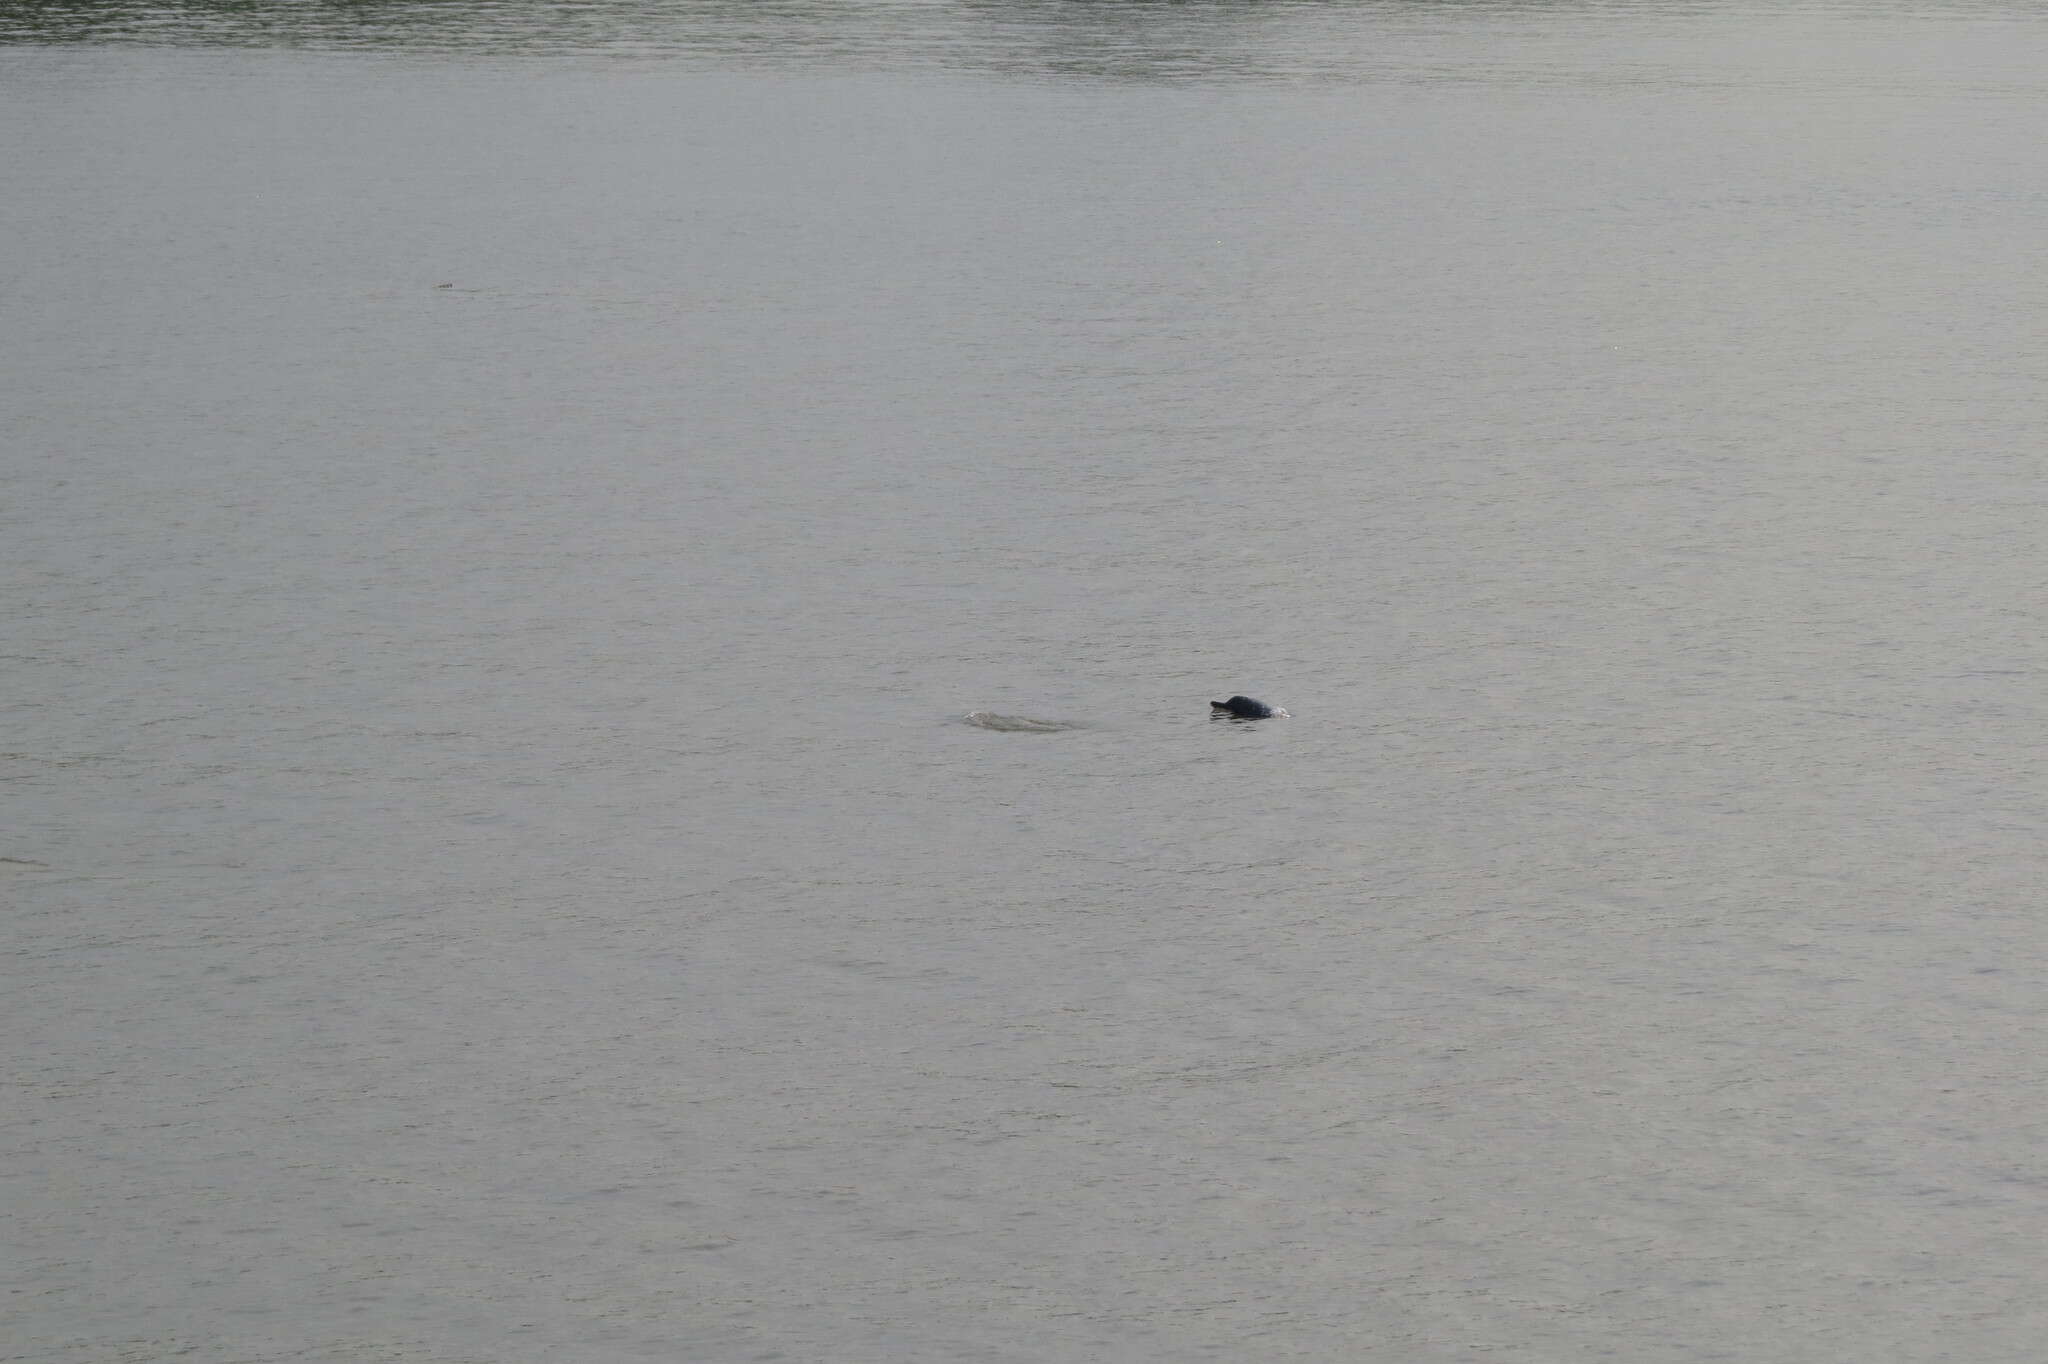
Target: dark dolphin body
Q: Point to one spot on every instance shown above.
(1245, 708)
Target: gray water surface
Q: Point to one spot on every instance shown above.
(504, 510)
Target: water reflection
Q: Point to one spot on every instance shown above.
(1139, 39)
(770, 27)
(1105, 39)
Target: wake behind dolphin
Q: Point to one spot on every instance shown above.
(1016, 724)
(1236, 708)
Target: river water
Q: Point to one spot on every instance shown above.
(505, 509)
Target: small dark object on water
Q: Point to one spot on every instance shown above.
(1245, 708)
